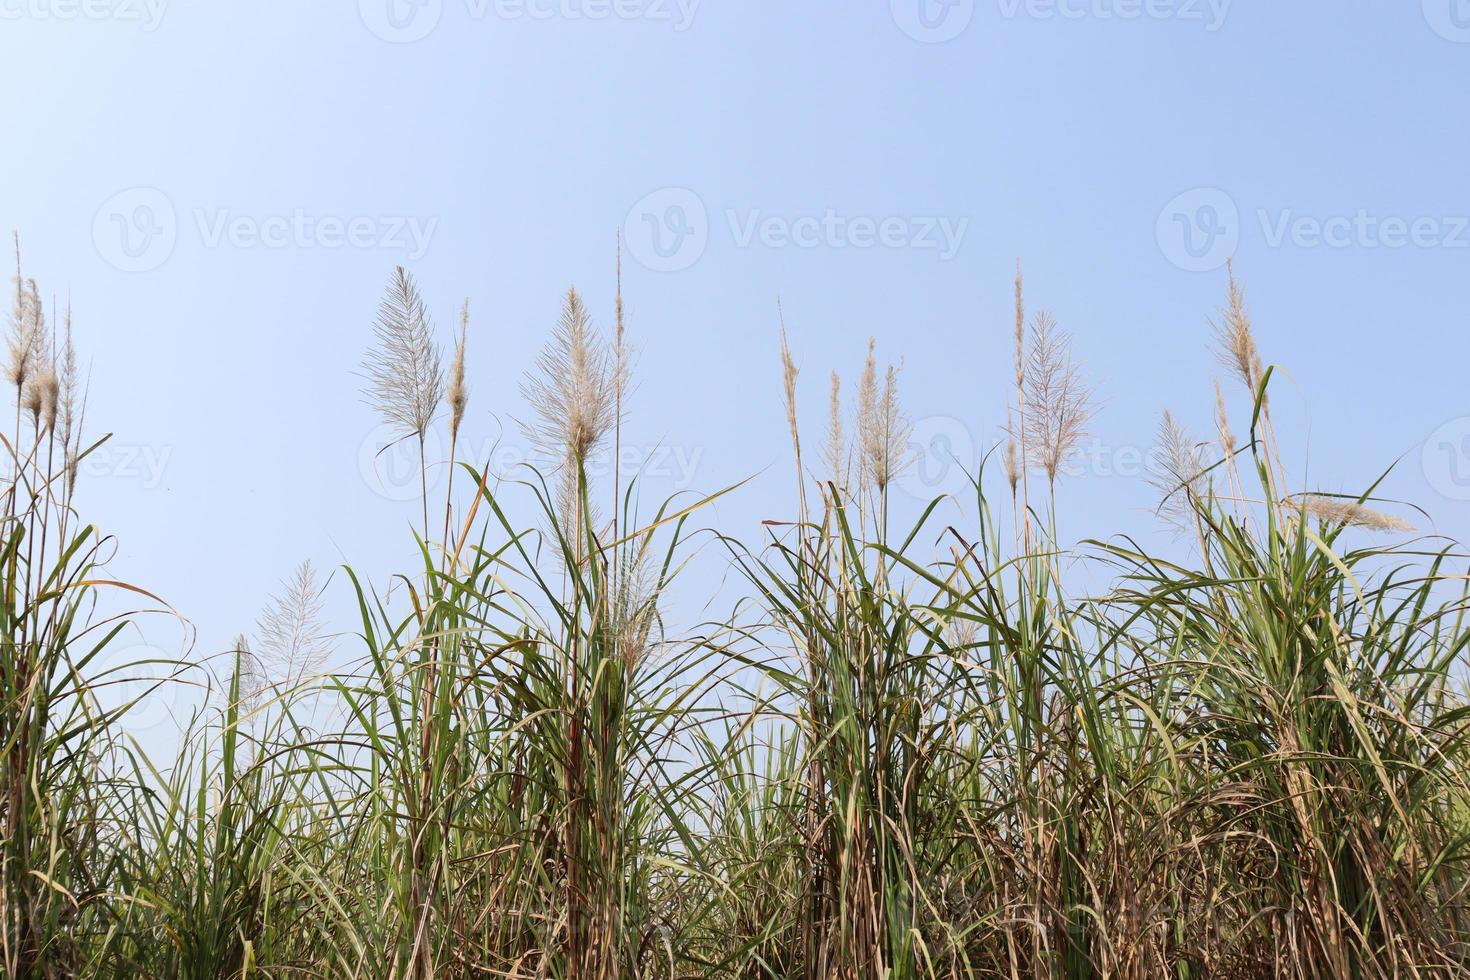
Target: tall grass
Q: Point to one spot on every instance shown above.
(915, 750)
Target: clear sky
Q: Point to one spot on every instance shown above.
(223, 188)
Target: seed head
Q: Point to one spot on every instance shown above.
(49, 388)
(1020, 328)
(1237, 341)
(884, 429)
(576, 387)
(1058, 403)
(1178, 472)
(1222, 422)
(292, 637)
(28, 347)
(789, 371)
(405, 377)
(835, 456)
(1332, 510)
(1013, 465)
(456, 395)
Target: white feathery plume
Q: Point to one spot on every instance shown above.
(884, 429)
(1178, 472)
(1058, 403)
(835, 456)
(1236, 338)
(250, 676)
(24, 325)
(1222, 422)
(789, 372)
(290, 628)
(457, 394)
(405, 377)
(1333, 510)
(576, 387)
(867, 414)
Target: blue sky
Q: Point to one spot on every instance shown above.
(223, 189)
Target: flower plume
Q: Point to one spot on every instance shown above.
(836, 452)
(789, 372)
(1178, 472)
(1222, 422)
(1057, 402)
(457, 395)
(405, 378)
(1333, 510)
(1236, 338)
(576, 387)
(27, 331)
(292, 638)
(884, 429)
